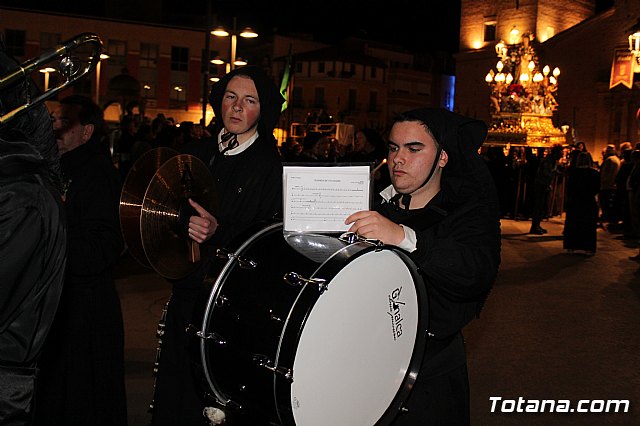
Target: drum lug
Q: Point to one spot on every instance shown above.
(213, 337)
(243, 262)
(265, 362)
(297, 280)
(352, 238)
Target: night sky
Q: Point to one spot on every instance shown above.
(418, 25)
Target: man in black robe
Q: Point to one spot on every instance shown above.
(443, 208)
(247, 170)
(82, 366)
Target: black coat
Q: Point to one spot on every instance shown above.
(581, 222)
(82, 368)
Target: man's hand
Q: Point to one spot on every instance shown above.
(373, 225)
(203, 226)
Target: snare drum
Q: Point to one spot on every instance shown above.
(297, 340)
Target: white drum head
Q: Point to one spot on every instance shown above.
(357, 343)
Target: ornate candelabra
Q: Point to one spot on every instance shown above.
(519, 86)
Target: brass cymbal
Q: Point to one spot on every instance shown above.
(132, 195)
(164, 219)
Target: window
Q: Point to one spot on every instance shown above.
(298, 67)
(15, 41)
(179, 58)
(117, 51)
(49, 41)
(297, 96)
(490, 31)
(373, 101)
(321, 67)
(351, 102)
(374, 72)
(319, 97)
(148, 55)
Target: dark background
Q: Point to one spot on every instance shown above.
(418, 25)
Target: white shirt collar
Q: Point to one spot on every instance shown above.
(240, 148)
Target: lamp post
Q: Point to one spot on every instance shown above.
(46, 71)
(247, 32)
(103, 56)
(634, 41)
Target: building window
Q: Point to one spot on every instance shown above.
(297, 97)
(15, 41)
(351, 102)
(319, 97)
(373, 101)
(374, 72)
(117, 51)
(490, 31)
(298, 67)
(49, 40)
(148, 55)
(321, 67)
(179, 58)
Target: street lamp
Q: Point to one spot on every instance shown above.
(103, 56)
(46, 71)
(248, 32)
(634, 41)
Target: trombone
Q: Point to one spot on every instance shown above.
(70, 67)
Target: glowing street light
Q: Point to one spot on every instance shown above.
(103, 56)
(46, 71)
(248, 32)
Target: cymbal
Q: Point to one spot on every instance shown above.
(165, 214)
(132, 195)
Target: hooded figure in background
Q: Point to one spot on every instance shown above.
(243, 159)
(32, 244)
(442, 208)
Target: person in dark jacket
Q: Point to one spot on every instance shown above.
(247, 171)
(32, 244)
(82, 365)
(581, 223)
(443, 208)
(547, 170)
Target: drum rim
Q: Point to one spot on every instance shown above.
(216, 288)
(333, 265)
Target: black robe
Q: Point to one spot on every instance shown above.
(32, 261)
(581, 222)
(249, 191)
(82, 366)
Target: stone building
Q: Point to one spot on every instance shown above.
(572, 37)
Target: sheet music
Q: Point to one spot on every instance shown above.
(319, 198)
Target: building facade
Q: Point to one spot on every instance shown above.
(358, 82)
(570, 36)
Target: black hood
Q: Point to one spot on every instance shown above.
(270, 98)
(466, 173)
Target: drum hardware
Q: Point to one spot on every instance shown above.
(296, 280)
(243, 262)
(221, 301)
(353, 237)
(212, 337)
(265, 362)
(273, 317)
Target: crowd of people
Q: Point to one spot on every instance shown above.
(439, 194)
(540, 183)
(441, 199)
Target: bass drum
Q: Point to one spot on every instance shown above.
(294, 339)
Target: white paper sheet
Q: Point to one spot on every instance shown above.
(319, 198)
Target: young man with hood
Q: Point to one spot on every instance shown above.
(443, 209)
(247, 172)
